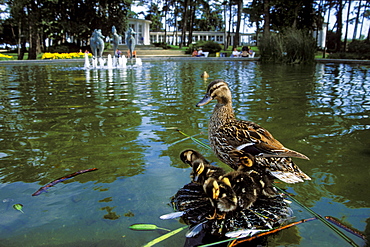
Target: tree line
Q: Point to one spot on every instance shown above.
(33, 21)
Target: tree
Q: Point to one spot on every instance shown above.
(357, 19)
(185, 16)
(253, 12)
(58, 20)
(339, 25)
(239, 3)
(154, 15)
(266, 14)
(347, 22)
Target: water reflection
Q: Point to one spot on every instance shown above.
(58, 119)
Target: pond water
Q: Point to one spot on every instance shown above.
(56, 119)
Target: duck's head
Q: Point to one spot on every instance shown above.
(219, 90)
(189, 156)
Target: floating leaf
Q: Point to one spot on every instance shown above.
(18, 207)
(165, 236)
(146, 227)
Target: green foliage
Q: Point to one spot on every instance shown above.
(154, 15)
(207, 46)
(284, 14)
(54, 19)
(361, 48)
(331, 41)
(291, 46)
(210, 17)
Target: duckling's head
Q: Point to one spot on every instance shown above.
(221, 194)
(245, 160)
(199, 171)
(219, 90)
(204, 75)
(189, 156)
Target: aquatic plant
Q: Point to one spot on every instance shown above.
(290, 47)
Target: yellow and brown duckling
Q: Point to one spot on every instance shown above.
(222, 196)
(204, 75)
(246, 186)
(202, 169)
(189, 155)
(234, 140)
(249, 185)
(221, 205)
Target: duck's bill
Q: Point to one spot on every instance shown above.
(207, 98)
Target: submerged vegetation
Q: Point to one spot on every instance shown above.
(289, 47)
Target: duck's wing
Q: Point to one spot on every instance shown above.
(283, 169)
(251, 138)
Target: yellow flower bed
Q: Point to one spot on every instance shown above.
(48, 55)
(5, 56)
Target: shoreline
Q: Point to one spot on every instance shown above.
(182, 58)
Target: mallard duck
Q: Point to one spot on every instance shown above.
(202, 169)
(204, 75)
(235, 141)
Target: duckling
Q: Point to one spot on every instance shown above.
(202, 169)
(222, 196)
(246, 185)
(232, 139)
(189, 155)
(196, 207)
(204, 75)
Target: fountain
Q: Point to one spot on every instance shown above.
(138, 62)
(110, 62)
(87, 63)
(122, 61)
(130, 41)
(115, 61)
(115, 42)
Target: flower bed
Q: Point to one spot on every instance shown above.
(48, 55)
(2, 56)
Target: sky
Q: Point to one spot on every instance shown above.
(332, 20)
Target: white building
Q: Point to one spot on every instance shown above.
(219, 37)
(141, 28)
(320, 36)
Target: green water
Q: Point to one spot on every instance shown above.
(56, 119)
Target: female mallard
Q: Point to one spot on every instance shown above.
(235, 141)
(202, 169)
